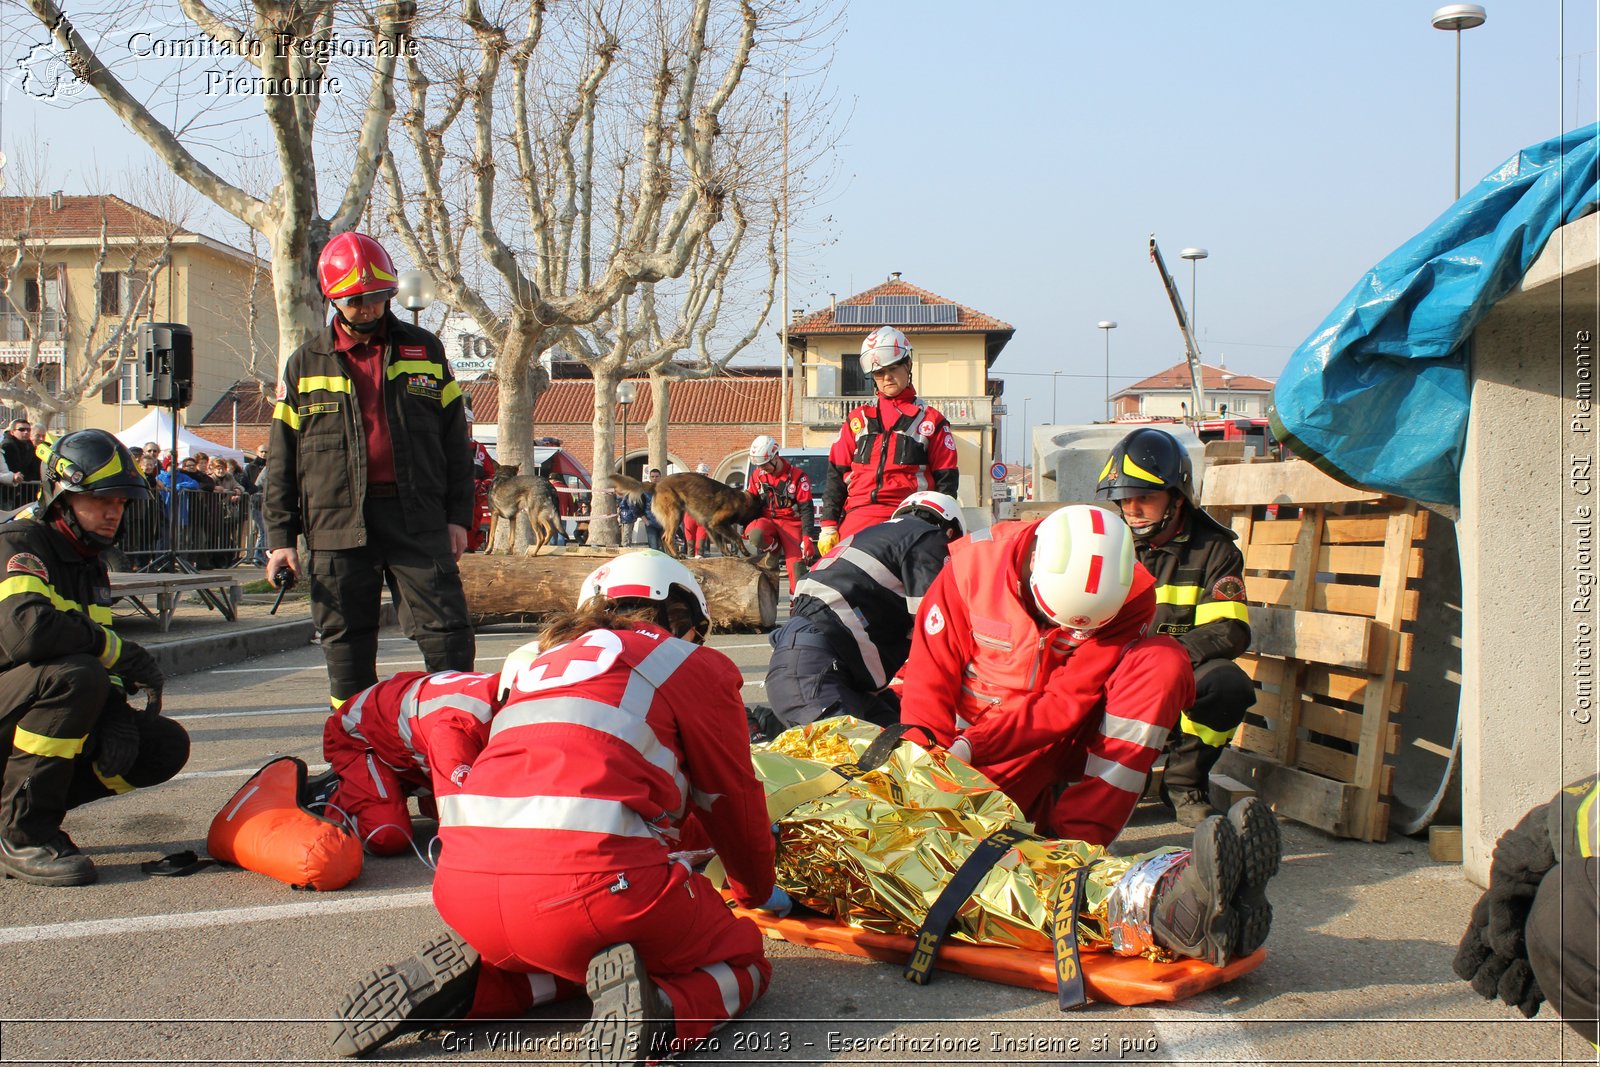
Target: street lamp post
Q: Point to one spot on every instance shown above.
(1055, 376)
(1194, 256)
(626, 391)
(1455, 18)
(1106, 326)
(414, 290)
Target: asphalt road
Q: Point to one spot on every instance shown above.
(226, 966)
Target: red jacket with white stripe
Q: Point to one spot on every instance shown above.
(605, 745)
(887, 450)
(418, 722)
(1025, 694)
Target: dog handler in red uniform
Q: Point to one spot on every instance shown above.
(556, 865)
(886, 450)
(1030, 661)
(785, 494)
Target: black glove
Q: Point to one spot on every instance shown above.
(1493, 952)
(137, 669)
(116, 739)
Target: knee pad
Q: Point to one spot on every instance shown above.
(163, 751)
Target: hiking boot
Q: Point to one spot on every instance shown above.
(57, 862)
(434, 985)
(1191, 809)
(631, 1021)
(1262, 849)
(1192, 914)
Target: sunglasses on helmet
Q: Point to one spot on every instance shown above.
(373, 299)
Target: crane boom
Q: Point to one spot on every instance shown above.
(1191, 350)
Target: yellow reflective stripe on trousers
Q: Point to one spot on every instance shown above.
(1588, 823)
(327, 383)
(40, 745)
(1178, 594)
(1214, 738)
(1222, 609)
(114, 782)
(286, 415)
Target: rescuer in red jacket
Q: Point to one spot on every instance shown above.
(1030, 661)
(556, 867)
(785, 494)
(415, 734)
(886, 450)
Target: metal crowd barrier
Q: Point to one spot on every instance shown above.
(214, 531)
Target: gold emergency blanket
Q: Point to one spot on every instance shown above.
(876, 851)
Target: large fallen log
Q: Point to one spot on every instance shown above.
(740, 595)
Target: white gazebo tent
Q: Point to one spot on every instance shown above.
(157, 427)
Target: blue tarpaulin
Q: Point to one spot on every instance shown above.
(1378, 396)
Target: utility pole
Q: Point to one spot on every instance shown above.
(783, 357)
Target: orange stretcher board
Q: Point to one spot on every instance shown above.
(1112, 979)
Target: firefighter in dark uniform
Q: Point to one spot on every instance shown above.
(1199, 575)
(849, 630)
(1535, 932)
(65, 675)
(372, 463)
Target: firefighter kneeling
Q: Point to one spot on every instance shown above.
(65, 675)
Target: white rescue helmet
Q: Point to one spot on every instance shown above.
(514, 665)
(763, 449)
(941, 504)
(884, 347)
(1082, 566)
(646, 575)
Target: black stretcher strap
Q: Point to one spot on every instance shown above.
(1065, 904)
(984, 855)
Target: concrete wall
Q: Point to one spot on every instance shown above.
(1067, 460)
(1528, 505)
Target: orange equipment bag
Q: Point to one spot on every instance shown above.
(264, 829)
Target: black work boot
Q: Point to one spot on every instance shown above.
(1186, 785)
(631, 1021)
(435, 984)
(57, 862)
(1192, 914)
(1262, 849)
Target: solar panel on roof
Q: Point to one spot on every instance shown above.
(897, 315)
(900, 299)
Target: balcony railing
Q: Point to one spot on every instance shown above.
(17, 326)
(963, 412)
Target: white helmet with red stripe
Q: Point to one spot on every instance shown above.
(644, 575)
(1082, 566)
(884, 347)
(763, 449)
(942, 505)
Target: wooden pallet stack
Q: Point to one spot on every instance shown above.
(1329, 572)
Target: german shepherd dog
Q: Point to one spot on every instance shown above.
(719, 508)
(529, 494)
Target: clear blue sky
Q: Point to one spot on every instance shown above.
(1015, 156)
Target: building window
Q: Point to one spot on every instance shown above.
(120, 290)
(855, 382)
(128, 384)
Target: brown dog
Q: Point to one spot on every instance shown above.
(529, 494)
(720, 508)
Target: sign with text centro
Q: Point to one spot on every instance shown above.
(470, 370)
(998, 472)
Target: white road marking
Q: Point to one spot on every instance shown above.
(235, 772)
(136, 924)
(322, 708)
(319, 666)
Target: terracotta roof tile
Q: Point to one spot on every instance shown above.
(1177, 377)
(78, 216)
(970, 321)
(711, 401)
(254, 405)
